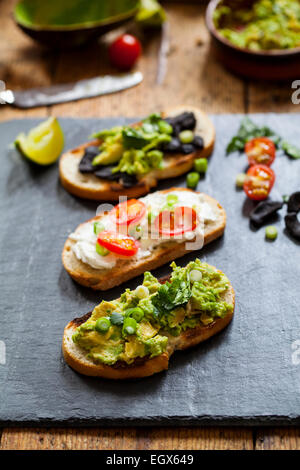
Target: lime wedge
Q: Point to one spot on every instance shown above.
(43, 144)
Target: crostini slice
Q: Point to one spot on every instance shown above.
(79, 258)
(166, 321)
(89, 186)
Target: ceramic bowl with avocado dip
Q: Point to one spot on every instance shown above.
(69, 23)
(258, 39)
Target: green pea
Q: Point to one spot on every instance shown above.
(172, 199)
(98, 227)
(271, 232)
(192, 180)
(136, 313)
(116, 318)
(129, 326)
(240, 180)
(155, 154)
(102, 325)
(200, 165)
(164, 127)
(186, 137)
(101, 250)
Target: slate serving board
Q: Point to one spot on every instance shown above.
(249, 374)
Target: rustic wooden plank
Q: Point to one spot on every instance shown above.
(128, 439)
(23, 64)
(273, 97)
(193, 77)
(278, 439)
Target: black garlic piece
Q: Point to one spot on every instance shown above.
(294, 202)
(187, 148)
(106, 173)
(198, 142)
(173, 146)
(264, 210)
(127, 181)
(184, 121)
(85, 165)
(293, 225)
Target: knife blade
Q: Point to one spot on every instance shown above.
(54, 94)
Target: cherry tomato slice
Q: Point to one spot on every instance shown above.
(118, 243)
(260, 150)
(124, 51)
(259, 182)
(129, 212)
(180, 220)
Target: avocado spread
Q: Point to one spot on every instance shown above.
(141, 321)
(126, 153)
(267, 24)
(135, 149)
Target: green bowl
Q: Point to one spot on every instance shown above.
(69, 23)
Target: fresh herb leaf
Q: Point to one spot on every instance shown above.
(116, 318)
(249, 130)
(134, 138)
(171, 295)
(235, 145)
(290, 149)
(285, 198)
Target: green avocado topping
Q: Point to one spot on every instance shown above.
(131, 327)
(134, 150)
(267, 24)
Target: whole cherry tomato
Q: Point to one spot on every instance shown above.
(124, 51)
(259, 182)
(260, 150)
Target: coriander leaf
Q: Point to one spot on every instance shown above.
(171, 295)
(249, 130)
(236, 144)
(116, 318)
(134, 138)
(290, 149)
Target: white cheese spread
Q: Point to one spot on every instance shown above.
(85, 239)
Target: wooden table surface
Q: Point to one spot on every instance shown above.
(193, 77)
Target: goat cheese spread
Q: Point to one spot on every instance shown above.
(85, 238)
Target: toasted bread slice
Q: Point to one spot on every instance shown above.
(103, 279)
(142, 367)
(90, 186)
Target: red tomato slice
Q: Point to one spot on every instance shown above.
(176, 222)
(260, 150)
(129, 212)
(259, 182)
(118, 243)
